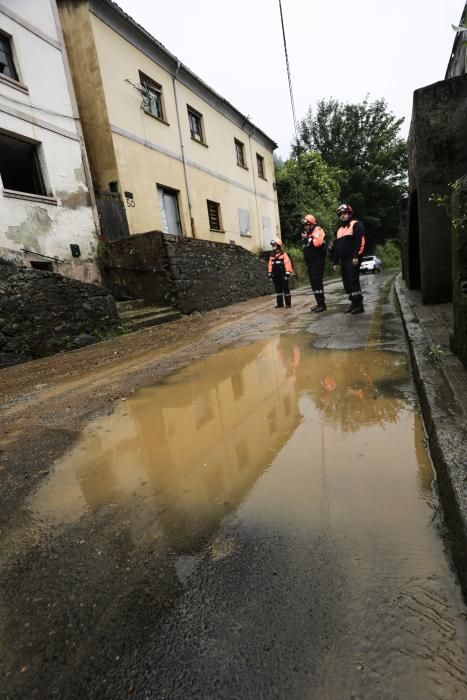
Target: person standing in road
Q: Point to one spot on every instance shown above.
(347, 252)
(280, 269)
(314, 252)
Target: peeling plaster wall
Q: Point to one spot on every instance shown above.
(44, 114)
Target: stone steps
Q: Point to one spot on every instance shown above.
(135, 316)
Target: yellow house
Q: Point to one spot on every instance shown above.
(164, 148)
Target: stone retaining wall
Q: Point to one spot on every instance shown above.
(207, 275)
(191, 274)
(42, 313)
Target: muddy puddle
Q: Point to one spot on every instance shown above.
(325, 448)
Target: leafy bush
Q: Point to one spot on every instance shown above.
(389, 253)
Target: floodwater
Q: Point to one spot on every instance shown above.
(326, 450)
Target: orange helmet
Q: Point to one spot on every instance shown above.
(277, 242)
(309, 219)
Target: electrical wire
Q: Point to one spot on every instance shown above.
(289, 77)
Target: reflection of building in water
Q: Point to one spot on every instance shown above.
(197, 443)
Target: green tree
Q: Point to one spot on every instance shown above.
(306, 184)
(361, 143)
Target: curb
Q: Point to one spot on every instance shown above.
(446, 428)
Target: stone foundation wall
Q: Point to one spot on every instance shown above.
(191, 274)
(208, 275)
(459, 269)
(42, 313)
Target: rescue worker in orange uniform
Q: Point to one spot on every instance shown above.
(280, 269)
(347, 252)
(314, 252)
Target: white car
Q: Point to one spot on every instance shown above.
(370, 263)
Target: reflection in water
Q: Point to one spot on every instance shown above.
(193, 447)
(322, 447)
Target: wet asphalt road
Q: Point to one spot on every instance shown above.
(263, 525)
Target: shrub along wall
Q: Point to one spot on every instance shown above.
(42, 313)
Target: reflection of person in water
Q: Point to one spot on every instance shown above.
(289, 355)
(347, 391)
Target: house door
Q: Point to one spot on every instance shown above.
(170, 214)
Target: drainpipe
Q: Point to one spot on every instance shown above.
(260, 228)
(174, 79)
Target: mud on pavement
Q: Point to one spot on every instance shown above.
(46, 403)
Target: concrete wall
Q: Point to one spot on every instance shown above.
(437, 157)
(38, 107)
(42, 313)
(148, 151)
(459, 269)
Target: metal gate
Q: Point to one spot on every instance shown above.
(112, 216)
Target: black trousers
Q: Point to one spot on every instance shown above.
(281, 285)
(315, 273)
(351, 281)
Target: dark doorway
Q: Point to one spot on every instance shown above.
(414, 280)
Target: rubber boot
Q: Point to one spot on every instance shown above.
(320, 308)
(288, 300)
(358, 309)
(279, 301)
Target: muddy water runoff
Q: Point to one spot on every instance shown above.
(323, 448)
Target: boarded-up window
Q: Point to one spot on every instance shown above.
(267, 232)
(244, 222)
(214, 214)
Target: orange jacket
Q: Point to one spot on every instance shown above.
(347, 230)
(279, 263)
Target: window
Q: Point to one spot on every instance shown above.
(7, 66)
(19, 165)
(260, 163)
(195, 120)
(240, 150)
(214, 213)
(152, 98)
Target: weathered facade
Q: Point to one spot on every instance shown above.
(437, 158)
(166, 152)
(433, 230)
(46, 215)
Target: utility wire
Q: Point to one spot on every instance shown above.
(292, 101)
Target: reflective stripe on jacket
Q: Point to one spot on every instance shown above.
(279, 263)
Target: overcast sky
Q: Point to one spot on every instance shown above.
(336, 49)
